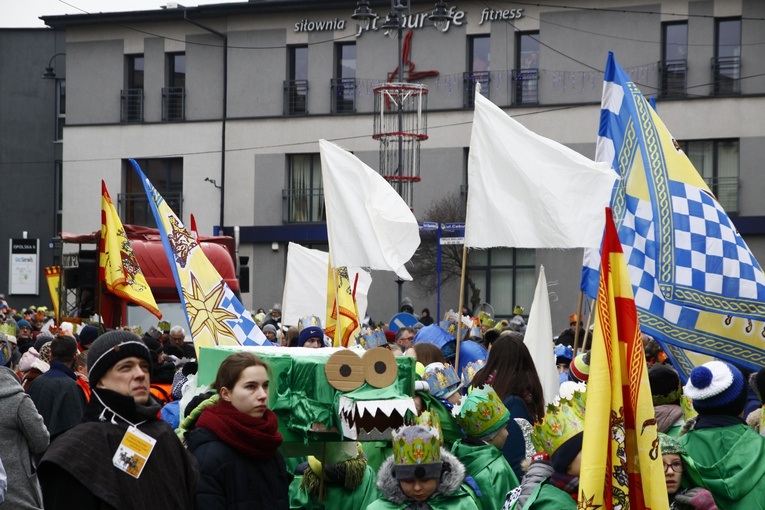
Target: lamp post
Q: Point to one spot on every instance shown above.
(394, 24)
(50, 72)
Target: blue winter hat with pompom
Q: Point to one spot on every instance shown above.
(716, 387)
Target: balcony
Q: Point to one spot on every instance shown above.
(303, 206)
(526, 86)
(295, 97)
(131, 105)
(343, 95)
(673, 75)
(173, 104)
(726, 74)
(726, 191)
(469, 80)
(136, 210)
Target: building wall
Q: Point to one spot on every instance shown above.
(28, 153)
(259, 137)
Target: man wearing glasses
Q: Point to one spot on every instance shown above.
(178, 339)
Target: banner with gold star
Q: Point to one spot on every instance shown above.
(621, 462)
(214, 313)
(117, 266)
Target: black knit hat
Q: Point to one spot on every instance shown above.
(665, 384)
(88, 335)
(109, 349)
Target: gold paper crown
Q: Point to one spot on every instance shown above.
(481, 412)
(563, 420)
(416, 445)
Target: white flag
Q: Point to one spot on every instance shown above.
(305, 285)
(527, 191)
(539, 339)
(368, 223)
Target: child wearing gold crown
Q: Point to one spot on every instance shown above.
(483, 418)
(552, 480)
(422, 475)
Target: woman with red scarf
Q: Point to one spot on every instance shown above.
(236, 442)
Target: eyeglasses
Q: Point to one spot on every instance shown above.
(676, 466)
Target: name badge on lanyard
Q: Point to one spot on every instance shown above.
(133, 452)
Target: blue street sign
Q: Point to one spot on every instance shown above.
(428, 226)
(453, 227)
(402, 320)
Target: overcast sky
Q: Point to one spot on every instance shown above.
(25, 13)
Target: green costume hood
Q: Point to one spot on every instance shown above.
(729, 462)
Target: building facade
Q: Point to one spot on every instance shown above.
(223, 105)
(32, 115)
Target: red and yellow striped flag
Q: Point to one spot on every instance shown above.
(118, 267)
(620, 442)
(342, 314)
(53, 276)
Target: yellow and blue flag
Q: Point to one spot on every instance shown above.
(696, 284)
(214, 313)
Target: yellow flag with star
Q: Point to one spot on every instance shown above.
(215, 315)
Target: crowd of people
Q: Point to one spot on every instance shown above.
(91, 419)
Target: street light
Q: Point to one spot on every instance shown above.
(50, 72)
(363, 14)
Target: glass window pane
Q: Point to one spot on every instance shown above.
(528, 51)
(676, 41)
(502, 257)
(701, 154)
(501, 298)
(729, 38)
(299, 63)
(525, 284)
(478, 257)
(526, 257)
(347, 61)
(480, 53)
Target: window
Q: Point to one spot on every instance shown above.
(304, 196)
(132, 96)
(503, 277)
(718, 163)
(479, 51)
(296, 86)
(527, 68)
(173, 95)
(60, 109)
(727, 61)
(166, 175)
(343, 87)
(674, 59)
(58, 197)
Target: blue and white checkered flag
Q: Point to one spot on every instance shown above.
(696, 284)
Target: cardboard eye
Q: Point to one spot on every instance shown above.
(380, 367)
(344, 371)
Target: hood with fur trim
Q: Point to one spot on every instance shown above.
(452, 475)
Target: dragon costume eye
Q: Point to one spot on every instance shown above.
(345, 371)
(380, 367)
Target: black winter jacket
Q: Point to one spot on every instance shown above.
(232, 480)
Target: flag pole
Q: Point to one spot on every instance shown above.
(578, 315)
(459, 310)
(589, 321)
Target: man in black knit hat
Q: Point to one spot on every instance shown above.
(132, 460)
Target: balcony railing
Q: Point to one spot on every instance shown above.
(726, 73)
(173, 103)
(131, 105)
(303, 206)
(469, 80)
(343, 95)
(295, 97)
(136, 210)
(726, 191)
(526, 86)
(674, 74)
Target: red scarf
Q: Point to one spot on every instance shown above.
(255, 437)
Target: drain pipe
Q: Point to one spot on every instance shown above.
(225, 114)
